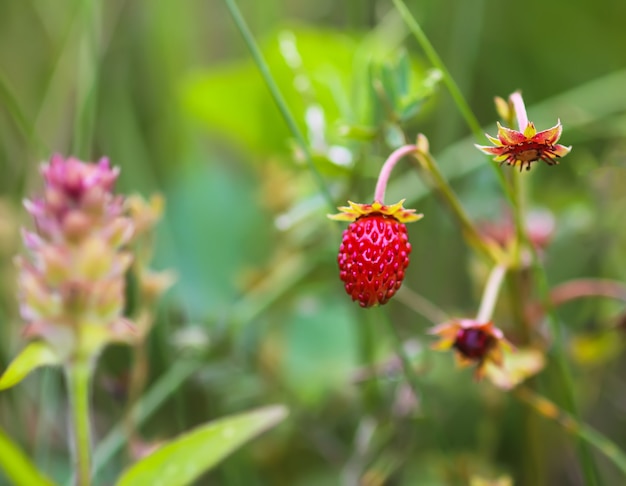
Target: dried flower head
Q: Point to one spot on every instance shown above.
(374, 252)
(72, 288)
(525, 146)
(474, 342)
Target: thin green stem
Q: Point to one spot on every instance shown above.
(88, 68)
(22, 122)
(78, 379)
(453, 88)
(562, 366)
(163, 389)
(278, 98)
(421, 305)
(584, 432)
(407, 368)
(522, 242)
(472, 235)
(517, 185)
(436, 61)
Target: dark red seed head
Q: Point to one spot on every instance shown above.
(474, 344)
(372, 258)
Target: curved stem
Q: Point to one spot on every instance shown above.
(520, 110)
(471, 233)
(385, 171)
(78, 380)
(490, 295)
(587, 287)
(421, 305)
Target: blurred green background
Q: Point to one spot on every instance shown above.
(167, 89)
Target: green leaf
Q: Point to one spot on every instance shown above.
(16, 466)
(185, 458)
(33, 356)
(310, 66)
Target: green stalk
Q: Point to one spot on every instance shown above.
(436, 61)
(88, 70)
(278, 98)
(146, 406)
(519, 298)
(453, 88)
(78, 379)
(562, 366)
(586, 459)
(407, 368)
(24, 125)
(584, 432)
(469, 230)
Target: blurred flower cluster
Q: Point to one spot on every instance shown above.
(72, 287)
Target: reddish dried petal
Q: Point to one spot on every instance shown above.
(491, 150)
(560, 150)
(549, 136)
(510, 137)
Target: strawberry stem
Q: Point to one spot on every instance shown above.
(520, 110)
(385, 172)
(490, 295)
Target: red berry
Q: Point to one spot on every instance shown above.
(372, 258)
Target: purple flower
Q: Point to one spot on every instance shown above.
(72, 287)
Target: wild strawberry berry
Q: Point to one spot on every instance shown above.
(374, 253)
(372, 259)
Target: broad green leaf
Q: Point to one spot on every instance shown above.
(33, 356)
(187, 457)
(16, 466)
(310, 66)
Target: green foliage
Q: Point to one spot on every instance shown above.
(16, 465)
(184, 459)
(259, 314)
(33, 356)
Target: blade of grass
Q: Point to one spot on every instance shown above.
(17, 466)
(565, 376)
(149, 403)
(9, 100)
(278, 98)
(436, 61)
(584, 432)
(455, 92)
(88, 68)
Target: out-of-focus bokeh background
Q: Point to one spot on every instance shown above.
(168, 90)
